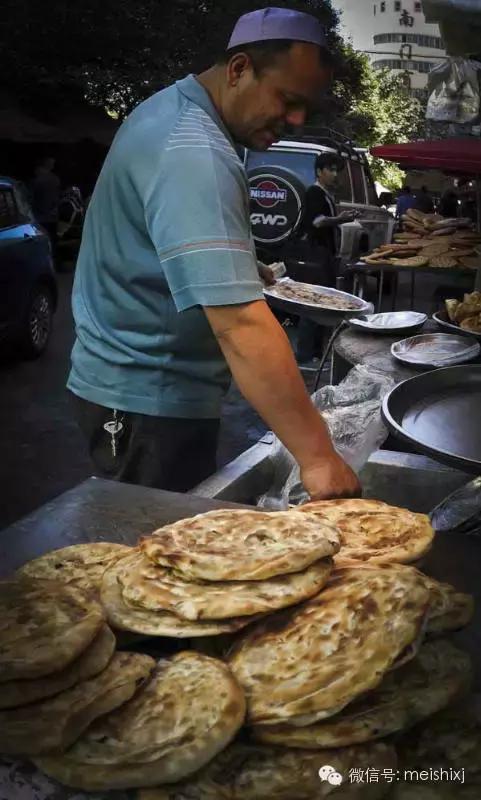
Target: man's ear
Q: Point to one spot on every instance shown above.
(237, 68)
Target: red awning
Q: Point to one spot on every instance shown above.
(457, 156)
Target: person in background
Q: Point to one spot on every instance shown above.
(448, 206)
(45, 194)
(424, 201)
(406, 200)
(320, 228)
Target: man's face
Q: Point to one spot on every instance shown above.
(259, 107)
(328, 175)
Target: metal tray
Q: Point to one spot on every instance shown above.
(323, 315)
(442, 319)
(435, 350)
(390, 323)
(437, 414)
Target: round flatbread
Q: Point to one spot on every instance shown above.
(374, 531)
(92, 661)
(449, 610)
(405, 697)
(245, 772)
(43, 627)
(146, 585)
(81, 564)
(157, 623)
(451, 739)
(308, 663)
(184, 716)
(241, 545)
(54, 724)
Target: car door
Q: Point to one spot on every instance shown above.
(21, 246)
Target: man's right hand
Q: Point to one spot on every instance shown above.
(331, 478)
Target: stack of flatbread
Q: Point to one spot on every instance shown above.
(217, 572)
(58, 670)
(351, 666)
(187, 713)
(373, 531)
(245, 772)
(431, 241)
(466, 314)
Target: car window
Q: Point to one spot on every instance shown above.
(8, 209)
(343, 190)
(300, 163)
(358, 182)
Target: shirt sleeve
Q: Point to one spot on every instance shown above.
(197, 214)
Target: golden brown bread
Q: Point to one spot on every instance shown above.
(308, 663)
(185, 715)
(92, 661)
(146, 585)
(406, 696)
(241, 545)
(43, 627)
(371, 530)
(54, 724)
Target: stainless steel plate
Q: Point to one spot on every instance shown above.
(323, 312)
(435, 350)
(389, 323)
(442, 320)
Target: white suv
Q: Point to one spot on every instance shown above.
(278, 180)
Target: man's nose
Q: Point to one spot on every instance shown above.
(296, 118)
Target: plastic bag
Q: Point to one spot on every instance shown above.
(352, 411)
(454, 91)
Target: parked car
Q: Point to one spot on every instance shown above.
(278, 181)
(28, 287)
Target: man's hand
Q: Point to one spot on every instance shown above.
(330, 478)
(265, 273)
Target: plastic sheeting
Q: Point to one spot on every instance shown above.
(454, 91)
(352, 412)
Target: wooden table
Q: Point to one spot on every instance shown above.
(99, 510)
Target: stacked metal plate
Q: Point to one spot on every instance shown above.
(389, 323)
(435, 350)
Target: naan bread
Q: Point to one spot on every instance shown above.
(374, 531)
(157, 623)
(308, 663)
(92, 661)
(145, 585)
(451, 739)
(244, 772)
(81, 564)
(184, 716)
(450, 610)
(54, 724)
(43, 627)
(241, 545)
(404, 697)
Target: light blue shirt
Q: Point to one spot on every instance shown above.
(167, 232)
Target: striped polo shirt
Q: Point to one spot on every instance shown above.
(167, 233)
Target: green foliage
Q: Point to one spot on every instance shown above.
(383, 112)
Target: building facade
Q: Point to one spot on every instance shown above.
(396, 36)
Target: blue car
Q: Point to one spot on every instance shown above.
(28, 287)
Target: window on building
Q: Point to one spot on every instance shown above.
(397, 5)
(417, 7)
(410, 38)
(382, 7)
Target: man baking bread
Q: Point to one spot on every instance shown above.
(167, 299)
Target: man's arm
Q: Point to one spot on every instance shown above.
(262, 363)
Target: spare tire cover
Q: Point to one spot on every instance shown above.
(276, 203)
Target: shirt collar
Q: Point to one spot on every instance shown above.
(194, 91)
(327, 192)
